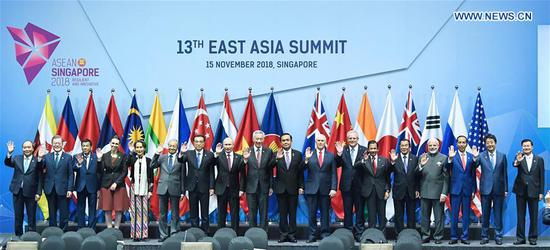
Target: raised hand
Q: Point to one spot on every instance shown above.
(131, 146)
(519, 157)
(475, 151)
(11, 147)
(42, 152)
(393, 155)
(183, 148)
(160, 148)
(246, 153)
(366, 155)
(339, 147)
(280, 153)
(79, 159)
(452, 152)
(99, 153)
(309, 153)
(423, 159)
(219, 148)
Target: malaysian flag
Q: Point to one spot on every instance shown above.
(410, 125)
(478, 130)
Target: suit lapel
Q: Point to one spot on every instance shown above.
(534, 163)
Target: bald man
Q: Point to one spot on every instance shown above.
(229, 185)
(434, 187)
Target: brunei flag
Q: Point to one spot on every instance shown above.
(47, 128)
(155, 135)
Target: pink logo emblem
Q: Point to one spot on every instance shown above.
(33, 48)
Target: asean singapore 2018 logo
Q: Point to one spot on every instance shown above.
(33, 47)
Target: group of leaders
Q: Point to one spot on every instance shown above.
(99, 180)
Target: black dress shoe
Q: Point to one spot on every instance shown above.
(281, 240)
(426, 240)
(483, 242)
(465, 242)
(162, 239)
(533, 242)
(291, 239)
(452, 242)
(519, 242)
(437, 241)
(498, 242)
(311, 240)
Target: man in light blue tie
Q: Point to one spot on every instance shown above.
(493, 188)
(26, 185)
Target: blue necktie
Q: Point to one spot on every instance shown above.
(493, 163)
(26, 164)
(198, 160)
(170, 163)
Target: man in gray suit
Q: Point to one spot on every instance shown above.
(433, 189)
(170, 186)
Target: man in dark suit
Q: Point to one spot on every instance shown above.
(86, 184)
(493, 188)
(320, 186)
(259, 178)
(529, 189)
(462, 166)
(26, 185)
(288, 183)
(58, 182)
(229, 184)
(375, 184)
(170, 187)
(350, 182)
(434, 187)
(199, 180)
(405, 188)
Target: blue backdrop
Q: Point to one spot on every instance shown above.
(135, 45)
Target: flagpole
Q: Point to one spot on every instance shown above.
(68, 92)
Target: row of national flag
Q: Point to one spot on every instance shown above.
(387, 135)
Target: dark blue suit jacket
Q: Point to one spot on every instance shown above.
(493, 180)
(30, 180)
(86, 177)
(59, 178)
(350, 176)
(463, 180)
(320, 179)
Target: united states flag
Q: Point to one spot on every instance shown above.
(476, 134)
(410, 125)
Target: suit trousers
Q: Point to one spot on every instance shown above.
(195, 198)
(377, 212)
(174, 209)
(458, 203)
(321, 202)
(353, 199)
(230, 197)
(498, 205)
(427, 205)
(408, 203)
(81, 208)
(21, 202)
(58, 203)
(288, 203)
(522, 202)
(257, 201)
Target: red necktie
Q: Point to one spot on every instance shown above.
(229, 161)
(320, 159)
